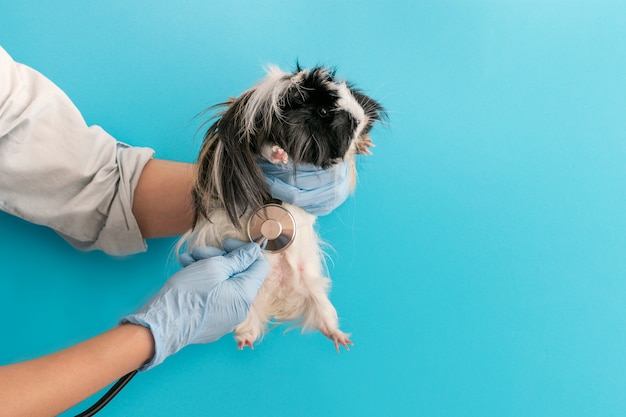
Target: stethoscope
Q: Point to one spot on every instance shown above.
(273, 227)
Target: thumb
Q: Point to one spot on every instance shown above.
(198, 253)
(249, 280)
(241, 258)
(230, 244)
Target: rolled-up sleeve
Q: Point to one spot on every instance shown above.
(57, 171)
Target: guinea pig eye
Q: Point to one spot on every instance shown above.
(322, 111)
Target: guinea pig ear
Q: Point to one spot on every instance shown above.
(228, 176)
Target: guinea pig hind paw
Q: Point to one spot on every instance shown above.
(342, 340)
(241, 344)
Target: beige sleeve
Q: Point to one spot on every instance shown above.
(58, 172)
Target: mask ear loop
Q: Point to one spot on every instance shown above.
(272, 226)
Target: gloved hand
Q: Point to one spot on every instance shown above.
(203, 301)
(318, 191)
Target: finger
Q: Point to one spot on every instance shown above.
(204, 252)
(249, 282)
(242, 258)
(201, 252)
(231, 244)
(185, 259)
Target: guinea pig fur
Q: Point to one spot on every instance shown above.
(307, 116)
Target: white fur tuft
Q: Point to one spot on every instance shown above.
(265, 98)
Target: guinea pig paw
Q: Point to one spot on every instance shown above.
(241, 344)
(278, 155)
(363, 145)
(340, 339)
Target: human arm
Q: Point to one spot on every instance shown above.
(51, 384)
(198, 304)
(99, 193)
(162, 200)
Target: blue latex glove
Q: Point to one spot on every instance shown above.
(318, 191)
(203, 301)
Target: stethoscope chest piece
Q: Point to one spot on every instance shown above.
(273, 227)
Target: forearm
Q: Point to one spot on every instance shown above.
(162, 201)
(51, 384)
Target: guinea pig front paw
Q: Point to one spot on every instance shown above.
(364, 144)
(275, 154)
(279, 155)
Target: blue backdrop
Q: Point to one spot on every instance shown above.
(481, 264)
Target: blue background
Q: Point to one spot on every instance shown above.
(481, 264)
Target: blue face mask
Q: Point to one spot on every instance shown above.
(318, 191)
